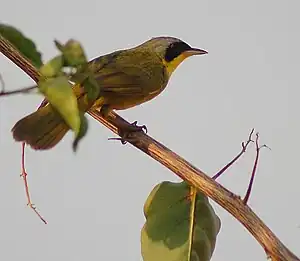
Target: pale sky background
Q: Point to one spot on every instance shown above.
(93, 200)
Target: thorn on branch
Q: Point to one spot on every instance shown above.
(244, 147)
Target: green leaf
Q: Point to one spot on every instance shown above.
(72, 52)
(82, 131)
(74, 56)
(24, 45)
(92, 87)
(60, 95)
(53, 67)
(87, 79)
(180, 225)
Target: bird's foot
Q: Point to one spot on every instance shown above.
(127, 132)
(131, 128)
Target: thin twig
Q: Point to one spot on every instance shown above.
(244, 147)
(24, 176)
(2, 84)
(258, 148)
(22, 90)
(274, 248)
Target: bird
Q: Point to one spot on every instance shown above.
(127, 78)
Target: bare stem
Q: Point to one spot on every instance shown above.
(258, 148)
(274, 248)
(244, 147)
(22, 90)
(24, 176)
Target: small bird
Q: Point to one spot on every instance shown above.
(126, 77)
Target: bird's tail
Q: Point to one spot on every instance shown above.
(44, 128)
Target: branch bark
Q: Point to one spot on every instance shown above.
(273, 247)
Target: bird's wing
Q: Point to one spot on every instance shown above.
(119, 82)
(115, 74)
(126, 73)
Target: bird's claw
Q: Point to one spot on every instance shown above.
(127, 131)
(139, 127)
(123, 141)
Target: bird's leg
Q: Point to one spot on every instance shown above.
(125, 130)
(132, 127)
(105, 110)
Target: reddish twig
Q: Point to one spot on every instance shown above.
(24, 176)
(244, 147)
(246, 198)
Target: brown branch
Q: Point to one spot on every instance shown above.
(18, 59)
(274, 248)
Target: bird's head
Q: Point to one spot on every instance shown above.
(172, 51)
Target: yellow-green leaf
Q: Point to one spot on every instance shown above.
(53, 67)
(180, 225)
(72, 52)
(24, 45)
(87, 79)
(82, 131)
(59, 93)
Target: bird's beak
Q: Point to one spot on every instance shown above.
(194, 51)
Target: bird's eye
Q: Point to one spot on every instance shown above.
(175, 49)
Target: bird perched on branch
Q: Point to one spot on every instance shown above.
(127, 78)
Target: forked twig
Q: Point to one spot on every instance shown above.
(258, 148)
(244, 147)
